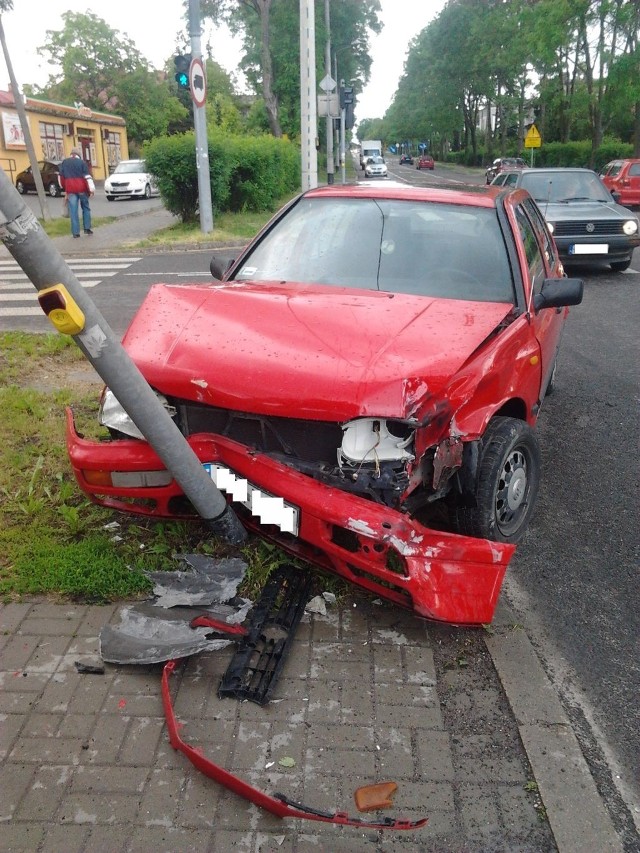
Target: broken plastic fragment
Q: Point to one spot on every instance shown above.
(90, 668)
(209, 579)
(142, 639)
(317, 605)
(369, 798)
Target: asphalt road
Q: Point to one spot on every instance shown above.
(574, 579)
(99, 205)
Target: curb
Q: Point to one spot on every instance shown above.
(575, 811)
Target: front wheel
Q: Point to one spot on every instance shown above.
(21, 188)
(147, 191)
(620, 266)
(54, 189)
(110, 197)
(507, 483)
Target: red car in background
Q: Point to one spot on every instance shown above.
(623, 177)
(363, 383)
(425, 162)
(503, 164)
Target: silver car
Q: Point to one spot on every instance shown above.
(375, 167)
(585, 221)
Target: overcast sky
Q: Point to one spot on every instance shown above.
(153, 26)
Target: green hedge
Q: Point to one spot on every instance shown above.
(579, 153)
(563, 154)
(247, 173)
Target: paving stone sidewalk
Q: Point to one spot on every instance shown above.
(369, 693)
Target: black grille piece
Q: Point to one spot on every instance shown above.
(312, 441)
(588, 227)
(254, 669)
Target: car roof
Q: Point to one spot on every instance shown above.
(563, 169)
(473, 195)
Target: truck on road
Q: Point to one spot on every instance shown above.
(369, 148)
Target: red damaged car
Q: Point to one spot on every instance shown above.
(362, 382)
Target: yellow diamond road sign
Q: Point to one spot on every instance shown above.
(533, 139)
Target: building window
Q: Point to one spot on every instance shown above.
(51, 139)
(112, 143)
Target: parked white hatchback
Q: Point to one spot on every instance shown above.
(130, 179)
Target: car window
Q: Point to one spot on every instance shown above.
(542, 230)
(511, 179)
(450, 251)
(634, 170)
(125, 168)
(499, 180)
(563, 187)
(613, 169)
(532, 249)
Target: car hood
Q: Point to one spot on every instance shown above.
(581, 210)
(127, 176)
(314, 352)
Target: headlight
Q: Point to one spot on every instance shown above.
(113, 416)
(375, 440)
(551, 227)
(630, 227)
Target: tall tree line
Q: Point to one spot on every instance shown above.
(574, 63)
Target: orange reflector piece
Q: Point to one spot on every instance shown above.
(97, 478)
(534, 360)
(369, 798)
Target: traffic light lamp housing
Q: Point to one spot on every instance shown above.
(346, 96)
(182, 63)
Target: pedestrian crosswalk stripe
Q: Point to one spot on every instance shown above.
(16, 287)
(21, 311)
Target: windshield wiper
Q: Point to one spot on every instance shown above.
(575, 198)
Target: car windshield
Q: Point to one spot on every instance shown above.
(129, 168)
(443, 250)
(376, 161)
(564, 187)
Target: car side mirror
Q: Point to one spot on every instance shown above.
(218, 267)
(559, 292)
(616, 196)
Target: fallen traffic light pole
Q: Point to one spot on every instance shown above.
(72, 312)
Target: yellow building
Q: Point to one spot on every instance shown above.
(56, 129)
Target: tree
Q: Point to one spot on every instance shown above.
(234, 12)
(92, 58)
(270, 30)
(104, 70)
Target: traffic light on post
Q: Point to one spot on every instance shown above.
(346, 96)
(182, 63)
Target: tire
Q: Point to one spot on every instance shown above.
(620, 266)
(21, 187)
(54, 189)
(507, 483)
(147, 191)
(110, 198)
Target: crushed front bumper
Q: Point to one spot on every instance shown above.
(438, 575)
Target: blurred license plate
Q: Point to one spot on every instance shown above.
(589, 249)
(268, 508)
